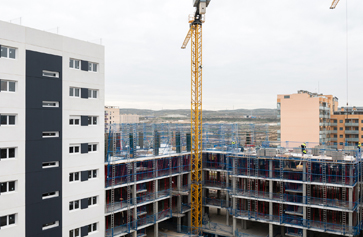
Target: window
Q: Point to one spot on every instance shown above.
(50, 104)
(335, 128)
(74, 63)
(50, 134)
(361, 136)
(92, 174)
(7, 220)
(92, 147)
(340, 121)
(73, 177)
(50, 225)
(92, 201)
(92, 67)
(7, 153)
(50, 74)
(92, 227)
(286, 97)
(92, 93)
(51, 164)
(7, 187)
(8, 52)
(341, 143)
(50, 195)
(335, 136)
(74, 205)
(74, 233)
(340, 136)
(74, 120)
(8, 86)
(341, 128)
(7, 120)
(74, 92)
(74, 149)
(92, 120)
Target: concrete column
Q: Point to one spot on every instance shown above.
(244, 225)
(234, 225)
(282, 231)
(304, 171)
(270, 189)
(156, 183)
(305, 233)
(351, 174)
(350, 218)
(227, 204)
(156, 229)
(270, 169)
(304, 207)
(179, 224)
(271, 230)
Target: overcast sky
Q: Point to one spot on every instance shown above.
(252, 49)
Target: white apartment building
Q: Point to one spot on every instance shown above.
(51, 134)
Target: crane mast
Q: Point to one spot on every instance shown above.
(195, 36)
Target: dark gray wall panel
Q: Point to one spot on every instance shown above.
(84, 93)
(84, 65)
(38, 149)
(84, 148)
(84, 203)
(84, 120)
(84, 175)
(84, 231)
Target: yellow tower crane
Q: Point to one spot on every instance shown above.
(334, 4)
(195, 34)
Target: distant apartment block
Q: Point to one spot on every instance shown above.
(305, 116)
(347, 127)
(130, 118)
(113, 116)
(51, 134)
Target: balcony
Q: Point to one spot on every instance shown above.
(278, 131)
(334, 124)
(278, 116)
(324, 108)
(333, 139)
(352, 124)
(352, 139)
(324, 124)
(324, 116)
(351, 132)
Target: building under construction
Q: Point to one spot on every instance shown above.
(250, 185)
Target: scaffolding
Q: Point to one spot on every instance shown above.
(244, 173)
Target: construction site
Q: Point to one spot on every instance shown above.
(251, 186)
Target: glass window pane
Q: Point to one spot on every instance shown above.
(4, 153)
(11, 219)
(95, 67)
(71, 149)
(76, 149)
(89, 120)
(76, 232)
(94, 226)
(94, 200)
(4, 52)
(71, 121)
(12, 53)
(3, 187)
(95, 147)
(3, 220)
(89, 147)
(89, 174)
(94, 94)
(95, 174)
(11, 186)
(12, 120)
(70, 91)
(71, 232)
(11, 86)
(76, 64)
(71, 63)
(76, 121)
(89, 228)
(11, 152)
(76, 176)
(76, 92)
(89, 66)
(4, 85)
(70, 206)
(4, 119)
(76, 204)
(94, 120)
(70, 177)
(89, 93)
(89, 202)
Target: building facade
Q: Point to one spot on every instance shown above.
(52, 126)
(346, 127)
(305, 116)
